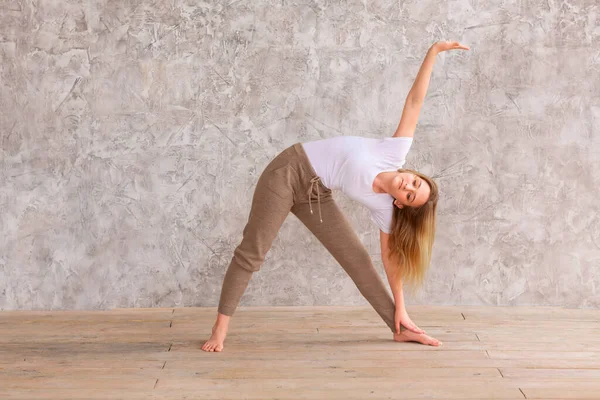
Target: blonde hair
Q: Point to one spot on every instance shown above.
(411, 240)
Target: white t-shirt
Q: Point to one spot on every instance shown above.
(351, 163)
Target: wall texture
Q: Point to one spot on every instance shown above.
(133, 133)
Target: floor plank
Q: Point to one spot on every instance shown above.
(325, 388)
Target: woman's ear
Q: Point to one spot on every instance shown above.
(397, 204)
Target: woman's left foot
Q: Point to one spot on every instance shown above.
(410, 336)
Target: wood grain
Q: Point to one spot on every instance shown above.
(300, 353)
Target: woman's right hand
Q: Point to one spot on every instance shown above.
(401, 318)
(445, 46)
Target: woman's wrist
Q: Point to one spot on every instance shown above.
(399, 300)
(435, 48)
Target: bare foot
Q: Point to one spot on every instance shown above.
(409, 336)
(215, 343)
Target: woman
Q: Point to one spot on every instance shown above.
(402, 204)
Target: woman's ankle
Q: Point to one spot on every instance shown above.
(222, 321)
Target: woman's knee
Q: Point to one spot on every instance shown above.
(248, 262)
(359, 255)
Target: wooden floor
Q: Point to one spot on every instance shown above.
(300, 353)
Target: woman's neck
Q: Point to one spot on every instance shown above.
(382, 182)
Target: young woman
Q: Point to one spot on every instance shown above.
(402, 204)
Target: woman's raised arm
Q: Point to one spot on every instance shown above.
(416, 95)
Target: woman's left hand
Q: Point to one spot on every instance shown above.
(401, 317)
(445, 46)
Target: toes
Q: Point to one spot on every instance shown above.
(208, 346)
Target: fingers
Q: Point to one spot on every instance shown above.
(456, 45)
(455, 48)
(416, 329)
(410, 327)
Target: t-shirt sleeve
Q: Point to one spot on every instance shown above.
(383, 219)
(395, 149)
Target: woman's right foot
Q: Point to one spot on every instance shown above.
(409, 336)
(215, 343)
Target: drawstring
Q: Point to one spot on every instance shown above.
(312, 181)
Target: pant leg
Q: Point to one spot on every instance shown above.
(271, 203)
(337, 235)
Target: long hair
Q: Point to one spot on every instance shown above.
(411, 240)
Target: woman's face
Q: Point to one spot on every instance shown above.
(409, 190)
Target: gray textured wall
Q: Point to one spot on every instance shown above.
(133, 133)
